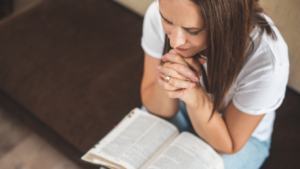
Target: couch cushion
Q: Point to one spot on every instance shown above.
(76, 65)
(138, 7)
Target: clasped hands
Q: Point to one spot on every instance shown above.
(184, 72)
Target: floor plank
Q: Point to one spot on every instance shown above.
(11, 132)
(21, 148)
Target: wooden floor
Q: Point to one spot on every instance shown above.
(20, 147)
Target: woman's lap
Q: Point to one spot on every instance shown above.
(251, 156)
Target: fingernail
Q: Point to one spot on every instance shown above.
(158, 67)
(197, 79)
(193, 84)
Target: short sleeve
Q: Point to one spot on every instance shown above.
(152, 40)
(261, 88)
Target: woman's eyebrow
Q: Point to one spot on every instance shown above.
(182, 27)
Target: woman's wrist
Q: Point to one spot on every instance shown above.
(157, 102)
(196, 97)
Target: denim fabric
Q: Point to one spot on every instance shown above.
(251, 156)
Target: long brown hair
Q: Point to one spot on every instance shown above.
(228, 23)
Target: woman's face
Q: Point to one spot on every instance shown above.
(184, 25)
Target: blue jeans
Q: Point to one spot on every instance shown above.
(251, 156)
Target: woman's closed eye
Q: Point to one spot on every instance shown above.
(186, 29)
(193, 33)
(168, 22)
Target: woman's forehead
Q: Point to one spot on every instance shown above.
(183, 13)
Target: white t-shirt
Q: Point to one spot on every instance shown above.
(260, 85)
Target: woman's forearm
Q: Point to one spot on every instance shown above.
(157, 102)
(214, 130)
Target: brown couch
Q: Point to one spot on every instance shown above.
(71, 70)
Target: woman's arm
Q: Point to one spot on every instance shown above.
(228, 134)
(153, 96)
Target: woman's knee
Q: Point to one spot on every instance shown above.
(251, 156)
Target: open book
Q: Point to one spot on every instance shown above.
(144, 141)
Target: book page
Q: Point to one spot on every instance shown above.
(135, 140)
(189, 152)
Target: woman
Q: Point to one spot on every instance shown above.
(241, 61)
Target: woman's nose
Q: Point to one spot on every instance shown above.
(177, 38)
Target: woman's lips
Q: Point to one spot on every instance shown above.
(181, 49)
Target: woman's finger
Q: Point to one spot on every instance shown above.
(178, 83)
(182, 70)
(201, 60)
(164, 85)
(195, 65)
(168, 71)
(174, 58)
